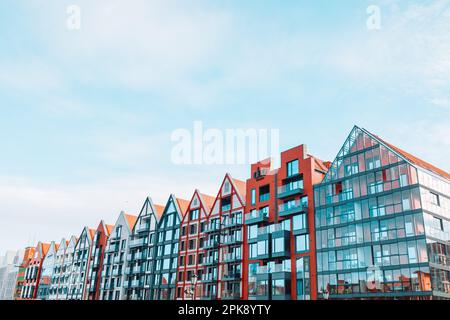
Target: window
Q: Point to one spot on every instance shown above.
(253, 193)
(193, 229)
(438, 223)
(302, 243)
(280, 287)
(434, 199)
(264, 193)
(292, 168)
(278, 245)
(252, 231)
(193, 215)
(263, 248)
(253, 250)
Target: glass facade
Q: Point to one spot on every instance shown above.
(371, 225)
(165, 254)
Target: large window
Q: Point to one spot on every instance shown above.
(302, 243)
(299, 222)
(292, 168)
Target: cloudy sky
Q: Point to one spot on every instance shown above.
(87, 115)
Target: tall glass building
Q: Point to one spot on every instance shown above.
(382, 219)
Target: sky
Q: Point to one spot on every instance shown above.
(87, 115)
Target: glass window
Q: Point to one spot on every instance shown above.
(302, 242)
(292, 168)
(253, 194)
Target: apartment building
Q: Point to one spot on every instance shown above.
(47, 270)
(33, 272)
(115, 261)
(192, 283)
(280, 243)
(9, 269)
(94, 274)
(224, 242)
(140, 256)
(23, 265)
(80, 265)
(64, 264)
(165, 251)
(382, 224)
(57, 270)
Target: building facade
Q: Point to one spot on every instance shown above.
(280, 259)
(165, 255)
(115, 261)
(26, 259)
(192, 281)
(140, 257)
(46, 275)
(33, 272)
(97, 256)
(382, 224)
(80, 265)
(9, 269)
(224, 242)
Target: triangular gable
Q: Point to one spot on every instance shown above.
(62, 247)
(357, 140)
(171, 206)
(200, 201)
(229, 187)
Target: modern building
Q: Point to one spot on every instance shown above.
(23, 265)
(97, 255)
(165, 250)
(115, 261)
(80, 265)
(140, 256)
(57, 270)
(65, 268)
(382, 224)
(192, 283)
(47, 269)
(9, 269)
(224, 242)
(280, 255)
(33, 273)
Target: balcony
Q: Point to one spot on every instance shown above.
(264, 197)
(257, 216)
(208, 261)
(234, 239)
(118, 260)
(290, 208)
(142, 227)
(232, 276)
(135, 257)
(290, 189)
(209, 277)
(231, 295)
(211, 244)
(112, 249)
(136, 284)
(137, 243)
(212, 227)
(231, 222)
(231, 257)
(116, 273)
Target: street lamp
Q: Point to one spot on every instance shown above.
(188, 291)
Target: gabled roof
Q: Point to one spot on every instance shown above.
(159, 210)
(131, 220)
(241, 187)
(109, 228)
(92, 233)
(413, 159)
(183, 204)
(208, 201)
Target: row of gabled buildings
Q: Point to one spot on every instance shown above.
(374, 223)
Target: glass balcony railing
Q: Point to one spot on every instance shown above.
(212, 227)
(256, 216)
(232, 239)
(273, 228)
(264, 197)
(292, 207)
(290, 189)
(231, 222)
(137, 243)
(230, 257)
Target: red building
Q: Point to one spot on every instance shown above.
(191, 258)
(224, 242)
(27, 256)
(33, 272)
(280, 255)
(97, 254)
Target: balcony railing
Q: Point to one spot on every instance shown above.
(257, 216)
(210, 244)
(137, 243)
(209, 277)
(231, 276)
(212, 227)
(232, 239)
(264, 197)
(273, 228)
(231, 222)
(207, 261)
(292, 207)
(143, 227)
(230, 257)
(290, 189)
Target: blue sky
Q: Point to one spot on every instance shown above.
(87, 115)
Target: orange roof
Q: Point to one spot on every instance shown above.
(241, 187)
(131, 220)
(92, 233)
(419, 162)
(183, 204)
(109, 228)
(159, 210)
(207, 200)
(45, 247)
